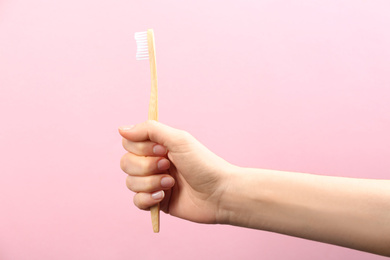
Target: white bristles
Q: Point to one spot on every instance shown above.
(141, 38)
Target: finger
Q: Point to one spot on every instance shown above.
(146, 200)
(146, 148)
(149, 183)
(142, 166)
(153, 131)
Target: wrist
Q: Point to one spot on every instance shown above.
(243, 192)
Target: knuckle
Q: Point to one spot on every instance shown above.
(136, 200)
(124, 163)
(149, 184)
(151, 122)
(140, 147)
(129, 183)
(145, 166)
(139, 201)
(184, 135)
(124, 143)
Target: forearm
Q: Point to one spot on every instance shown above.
(348, 212)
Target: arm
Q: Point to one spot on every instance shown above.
(348, 212)
(169, 166)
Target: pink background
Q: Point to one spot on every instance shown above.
(289, 85)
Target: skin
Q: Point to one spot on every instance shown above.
(170, 166)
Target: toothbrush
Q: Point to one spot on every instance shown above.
(146, 51)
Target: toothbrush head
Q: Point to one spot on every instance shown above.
(141, 38)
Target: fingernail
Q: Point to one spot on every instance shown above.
(167, 182)
(126, 128)
(163, 164)
(158, 195)
(159, 150)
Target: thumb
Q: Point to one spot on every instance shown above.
(153, 131)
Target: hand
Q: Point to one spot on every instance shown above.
(170, 166)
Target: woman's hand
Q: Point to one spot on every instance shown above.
(170, 166)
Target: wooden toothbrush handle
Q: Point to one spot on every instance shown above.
(155, 213)
(153, 115)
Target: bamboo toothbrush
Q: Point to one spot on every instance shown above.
(146, 51)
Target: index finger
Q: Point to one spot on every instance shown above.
(146, 148)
